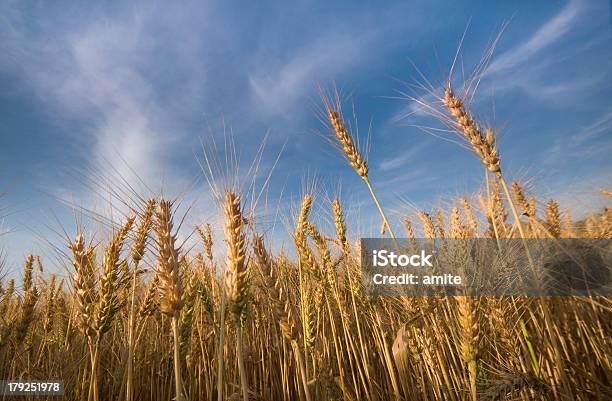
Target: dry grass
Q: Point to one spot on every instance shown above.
(354, 347)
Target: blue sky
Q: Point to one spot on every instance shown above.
(140, 85)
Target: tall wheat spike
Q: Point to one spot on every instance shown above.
(138, 251)
(236, 275)
(170, 286)
(284, 309)
(27, 273)
(353, 154)
(27, 314)
(469, 215)
(429, 229)
(553, 218)
(83, 259)
(108, 300)
(469, 337)
(483, 144)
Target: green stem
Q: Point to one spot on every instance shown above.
(534, 359)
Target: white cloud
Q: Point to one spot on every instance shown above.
(96, 73)
(276, 87)
(549, 33)
(554, 64)
(105, 74)
(587, 143)
(602, 125)
(402, 159)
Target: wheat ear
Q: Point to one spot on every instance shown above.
(109, 302)
(83, 283)
(429, 229)
(236, 275)
(353, 155)
(469, 337)
(469, 215)
(553, 218)
(170, 286)
(207, 240)
(27, 273)
(138, 250)
(482, 144)
(27, 314)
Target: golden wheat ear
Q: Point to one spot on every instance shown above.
(469, 337)
(483, 144)
(285, 312)
(142, 232)
(170, 287)
(108, 299)
(83, 284)
(553, 218)
(236, 274)
(351, 151)
(168, 268)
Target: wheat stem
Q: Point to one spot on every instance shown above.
(178, 380)
(380, 209)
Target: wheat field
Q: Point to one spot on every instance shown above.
(140, 317)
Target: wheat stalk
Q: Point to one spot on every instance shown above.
(353, 155)
(138, 250)
(236, 275)
(170, 285)
(284, 310)
(108, 300)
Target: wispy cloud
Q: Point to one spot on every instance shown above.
(549, 33)
(594, 140)
(550, 65)
(601, 126)
(97, 74)
(106, 75)
(276, 87)
(403, 158)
